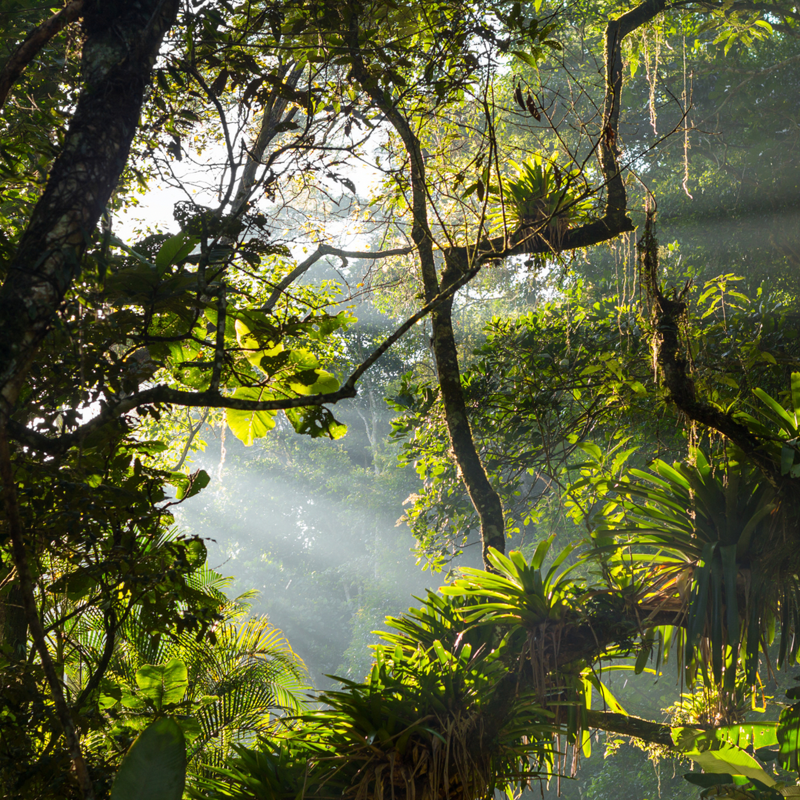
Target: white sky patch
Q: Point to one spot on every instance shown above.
(199, 178)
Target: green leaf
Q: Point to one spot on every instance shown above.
(730, 572)
(718, 757)
(247, 426)
(644, 653)
(190, 727)
(175, 249)
(163, 684)
(638, 388)
(699, 601)
(787, 459)
(796, 393)
(706, 780)
(155, 766)
(607, 697)
(780, 415)
(759, 735)
(313, 381)
(74, 586)
(789, 738)
(315, 421)
(525, 58)
(132, 701)
(187, 486)
(593, 451)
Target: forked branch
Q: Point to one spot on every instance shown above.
(667, 317)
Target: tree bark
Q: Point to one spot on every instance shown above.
(122, 42)
(460, 260)
(118, 55)
(653, 732)
(13, 623)
(483, 495)
(667, 313)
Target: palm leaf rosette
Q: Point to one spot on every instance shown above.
(699, 541)
(542, 198)
(533, 600)
(431, 720)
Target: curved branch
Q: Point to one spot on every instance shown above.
(667, 315)
(321, 251)
(193, 431)
(33, 43)
(165, 395)
(615, 220)
(483, 495)
(192, 70)
(111, 625)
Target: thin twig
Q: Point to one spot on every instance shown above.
(193, 431)
(326, 250)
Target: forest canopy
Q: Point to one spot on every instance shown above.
(576, 225)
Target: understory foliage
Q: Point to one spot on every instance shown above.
(485, 686)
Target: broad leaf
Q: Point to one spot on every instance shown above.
(163, 684)
(155, 766)
(175, 249)
(715, 756)
(247, 426)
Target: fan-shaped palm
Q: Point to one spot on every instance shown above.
(235, 687)
(700, 541)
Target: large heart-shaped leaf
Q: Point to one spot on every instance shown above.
(247, 426)
(163, 684)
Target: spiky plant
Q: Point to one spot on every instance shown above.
(700, 541)
(440, 715)
(542, 198)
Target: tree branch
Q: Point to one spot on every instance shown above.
(667, 315)
(193, 431)
(272, 118)
(33, 43)
(321, 251)
(615, 220)
(459, 260)
(653, 732)
(483, 495)
(165, 395)
(110, 621)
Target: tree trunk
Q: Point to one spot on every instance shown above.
(122, 42)
(121, 46)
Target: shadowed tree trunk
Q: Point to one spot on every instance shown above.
(121, 46)
(122, 42)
